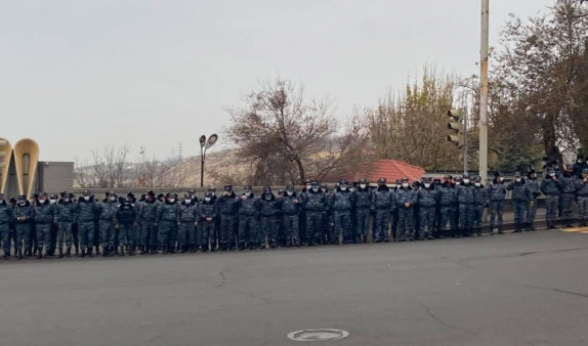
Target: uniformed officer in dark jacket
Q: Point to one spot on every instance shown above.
(448, 205)
(362, 198)
(148, 218)
(45, 217)
(551, 188)
(315, 207)
(188, 224)
(497, 197)
(521, 197)
(127, 222)
(533, 186)
(405, 199)
(6, 217)
(269, 211)
(24, 216)
(582, 197)
(228, 208)
(208, 215)
(382, 206)
(568, 195)
(427, 203)
(248, 220)
(290, 209)
(341, 206)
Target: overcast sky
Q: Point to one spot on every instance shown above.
(78, 75)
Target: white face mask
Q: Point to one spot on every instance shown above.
(41, 201)
(207, 199)
(86, 198)
(66, 199)
(405, 185)
(290, 193)
(457, 183)
(518, 180)
(113, 199)
(315, 189)
(171, 200)
(466, 181)
(188, 201)
(478, 184)
(343, 188)
(501, 179)
(53, 201)
(427, 185)
(363, 186)
(268, 197)
(247, 193)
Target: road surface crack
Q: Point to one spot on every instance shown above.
(558, 290)
(442, 322)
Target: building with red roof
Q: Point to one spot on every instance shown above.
(372, 171)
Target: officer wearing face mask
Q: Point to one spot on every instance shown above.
(148, 224)
(24, 216)
(315, 207)
(290, 208)
(269, 216)
(228, 207)
(405, 199)
(341, 205)
(582, 197)
(248, 220)
(427, 203)
(497, 196)
(6, 217)
(207, 211)
(216, 234)
(107, 211)
(480, 202)
(568, 195)
(86, 210)
(382, 207)
(465, 197)
(533, 186)
(362, 200)
(521, 196)
(167, 220)
(188, 224)
(45, 216)
(448, 205)
(551, 188)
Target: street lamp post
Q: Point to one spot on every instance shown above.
(204, 146)
(484, 52)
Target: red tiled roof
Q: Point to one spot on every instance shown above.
(389, 169)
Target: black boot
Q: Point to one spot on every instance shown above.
(60, 253)
(132, 251)
(97, 250)
(19, 254)
(105, 251)
(68, 253)
(90, 252)
(121, 252)
(39, 253)
(77, 250)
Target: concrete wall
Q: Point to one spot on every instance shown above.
(54, 177)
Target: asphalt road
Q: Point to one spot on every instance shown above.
(523, 289)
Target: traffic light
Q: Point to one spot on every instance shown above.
(456, 128)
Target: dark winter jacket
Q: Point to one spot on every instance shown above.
(480, 195)
(66, 211)
(6, 213)
(206, 210)
(290, 205)
(27, 211)
(315, 201)
(497, 191)
(249, 206)
(86, 210)
(581, 188)
(403, 196)
(520, 192)
(550, 187)
(447, 195)
(168, 212)
(45, 213)
(362, 199)
(149, 211)
(107, 210)
(568, 184)
(341, 201)
(269, 207)
(383, 199)
(427, 197)
(228, 205)
(533, 186)
(188, 212)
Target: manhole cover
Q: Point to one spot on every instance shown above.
(318, 335)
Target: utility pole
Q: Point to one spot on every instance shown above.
(484, 52)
